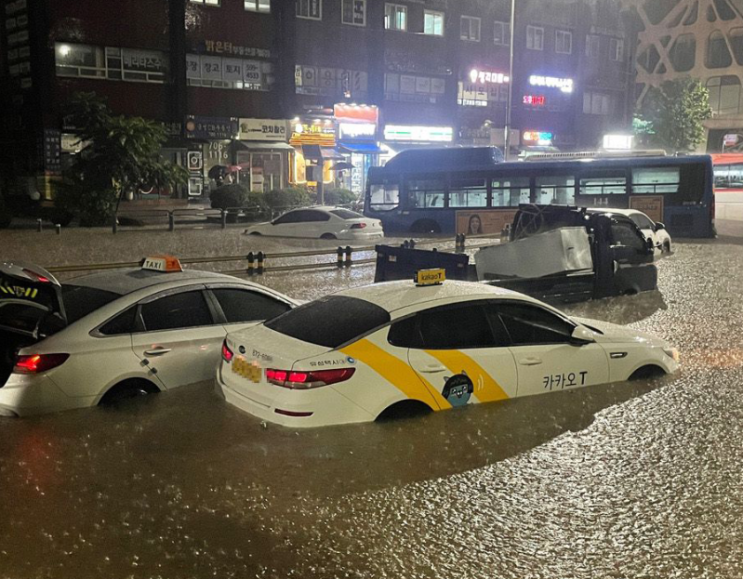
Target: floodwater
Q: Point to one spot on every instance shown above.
(631, 480)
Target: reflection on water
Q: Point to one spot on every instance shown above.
(636, 479)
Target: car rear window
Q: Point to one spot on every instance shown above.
(346, 214)
(79, 300)
(331, 321)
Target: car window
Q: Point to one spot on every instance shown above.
(310, 215)
(246, 306)
(346, 214)
(642, 222)
(455, 328)
(330, 321)
(290, 217)
(624, 233)
(530, 325)
(79, 300)
(124, 323)
(183, 310)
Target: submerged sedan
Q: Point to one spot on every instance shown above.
(383, 349)
(113, 335)
(320, 223)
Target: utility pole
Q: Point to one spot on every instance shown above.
(509, 103)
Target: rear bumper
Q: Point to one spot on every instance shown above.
(26, 395)
(324, 406)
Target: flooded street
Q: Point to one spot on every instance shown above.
(634, 480)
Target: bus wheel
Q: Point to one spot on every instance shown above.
(425, 226)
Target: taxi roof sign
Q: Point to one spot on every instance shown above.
(162, 263)
(425, 277)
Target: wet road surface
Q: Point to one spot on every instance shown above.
(631, 480)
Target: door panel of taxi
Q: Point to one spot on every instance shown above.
(461, 355)
(546, 360)
(241, 308)
(181, 340)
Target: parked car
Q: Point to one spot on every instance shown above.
(652, 230)
(320, 222)
(117, 334)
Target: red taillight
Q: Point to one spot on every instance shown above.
(358, 226)
(36, 276)
(227, 354)
(36, 363)
(306, 380)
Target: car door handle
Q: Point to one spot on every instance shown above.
(530, 361)
(433, 369)
(157, 352)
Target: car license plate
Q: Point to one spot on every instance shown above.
(249, 370)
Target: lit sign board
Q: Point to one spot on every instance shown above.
(564, 84)
(418, 134)
(486, 77)
(357, 130)
(534, 100)
(623, 142)
(539, 137)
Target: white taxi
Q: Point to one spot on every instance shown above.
(112, 335)
(384, 349)
(321, 222)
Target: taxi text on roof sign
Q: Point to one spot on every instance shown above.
(430, 277)
(164, 263)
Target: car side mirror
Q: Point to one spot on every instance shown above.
(649, 245)
(659, 226)
(581, 336)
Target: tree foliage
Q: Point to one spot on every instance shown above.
(120, 156)
(672, 115)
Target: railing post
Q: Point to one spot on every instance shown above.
(339, 254)
(224, 218)
(348, 256)
(171, 221)
(412, 244)
(261, 256)
(115, 224)
(58, 227)
(251, 263)
(39, 225)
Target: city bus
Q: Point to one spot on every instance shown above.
(472, 191)
(729, 185)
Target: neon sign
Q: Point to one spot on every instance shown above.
(485, 77)
(534, 100)
(564, 84)
(539, 137)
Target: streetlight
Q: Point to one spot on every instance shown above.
(507, 128)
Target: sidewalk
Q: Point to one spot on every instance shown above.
(726, 228)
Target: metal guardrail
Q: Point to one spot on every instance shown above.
(256, 261)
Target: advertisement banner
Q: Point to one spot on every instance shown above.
(650, 205)
(484, 221)
(212, 128)
(263, 130)
(144, 61)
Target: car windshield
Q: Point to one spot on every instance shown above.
(346, 214)
(331, 321)
(79, 300)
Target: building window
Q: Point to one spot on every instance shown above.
(354, 12)
(502, 33)
(231, 73)
(616, 49)
(470, 28)
(433, 23)
(563, 42)
(596, 103)
(258, 6)
(683, 53)
(395, 17)
(534, 38)
(83, 61)
(724, 95)
(310, 9)
(718, 55)
(593, 46)
(208, 2)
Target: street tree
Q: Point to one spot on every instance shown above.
(120, 155)
(671, 116)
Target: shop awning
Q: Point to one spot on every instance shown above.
(264, 145)
(318, 153)
(362, 148)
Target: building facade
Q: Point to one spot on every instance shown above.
(702, 39)
(277, 92)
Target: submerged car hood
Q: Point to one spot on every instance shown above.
(614, 333)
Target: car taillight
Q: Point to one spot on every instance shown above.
(306, 380)
(227, 354)
(358, 226)
(36, 363)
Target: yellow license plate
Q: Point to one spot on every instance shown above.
(250, 370)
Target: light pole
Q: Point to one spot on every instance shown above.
(509, 102)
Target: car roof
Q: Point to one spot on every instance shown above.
(125, 281)
(614, 211)
(395, 295)
(321, 208)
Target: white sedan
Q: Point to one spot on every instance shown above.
(398, 348)
(113, 335)
(322, 223)
(651, 230)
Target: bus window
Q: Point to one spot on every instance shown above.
(556, 190)
(510, 191)
(604, 183)
(729, 176)
(384, 196)
(468, 192)
(426, 193)
(655, 180)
